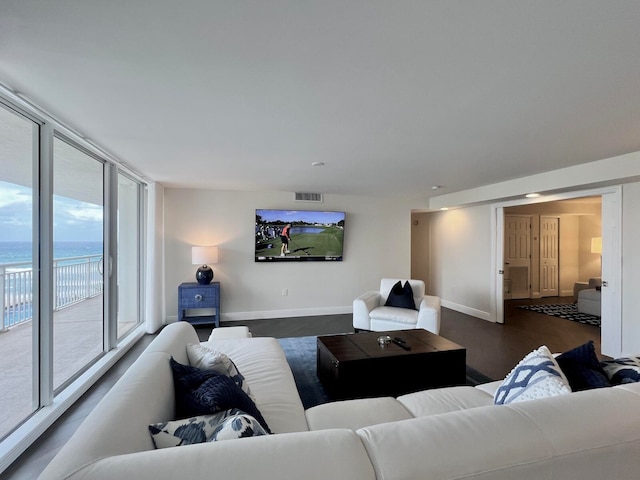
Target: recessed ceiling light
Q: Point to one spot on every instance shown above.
(436, 187)
(532, 195)
(444, 209)
(317, 164)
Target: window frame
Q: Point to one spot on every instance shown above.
(49, 405)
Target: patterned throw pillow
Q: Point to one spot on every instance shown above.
(201, 392)
(536, 376)
(208, 359)
(622, 370)
(226, 425)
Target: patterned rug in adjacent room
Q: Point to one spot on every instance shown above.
(568, 311)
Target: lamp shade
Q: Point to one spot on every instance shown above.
(596, 245)
(204, 255)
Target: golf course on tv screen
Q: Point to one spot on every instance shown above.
(299, 236)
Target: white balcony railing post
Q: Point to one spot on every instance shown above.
(87, 277)
(3, 326)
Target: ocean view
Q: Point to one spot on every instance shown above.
(75, 280)
(18, 252)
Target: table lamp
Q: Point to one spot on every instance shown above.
(203, 256)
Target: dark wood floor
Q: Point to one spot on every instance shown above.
(492, 349)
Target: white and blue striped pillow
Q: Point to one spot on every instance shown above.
(536, 376)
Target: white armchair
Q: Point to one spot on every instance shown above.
(370, 313)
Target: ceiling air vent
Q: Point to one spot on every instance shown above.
(308, 197)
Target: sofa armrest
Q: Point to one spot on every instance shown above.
(362, 307)
(429, 314)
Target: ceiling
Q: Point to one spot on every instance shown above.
(393, 97)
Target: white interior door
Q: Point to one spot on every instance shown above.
(611, 292)
(517, 256)
(549, 239)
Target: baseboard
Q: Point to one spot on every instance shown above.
(467, 310)
(266, 314)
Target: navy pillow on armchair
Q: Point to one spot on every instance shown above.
(401, 297)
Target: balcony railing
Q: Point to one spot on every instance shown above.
(74, 279)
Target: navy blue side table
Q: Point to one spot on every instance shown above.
(193, 296)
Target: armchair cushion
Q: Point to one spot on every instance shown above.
(394, 314)
(401, 297)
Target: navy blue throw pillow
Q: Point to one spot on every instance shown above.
(401, 297)
(202, 392)
(582, 368)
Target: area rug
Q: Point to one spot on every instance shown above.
(568, 311)
(301, 355)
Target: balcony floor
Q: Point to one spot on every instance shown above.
(77, 342)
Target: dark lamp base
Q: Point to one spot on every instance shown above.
(204, 275)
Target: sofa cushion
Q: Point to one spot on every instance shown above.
(328, 454)
(622, 370)
(582, 368)
(355, 414)
(264, 366)
(225, 425)
(401, 296)
(206, 358)
(200, 392)
(536, 376)
(443, 400)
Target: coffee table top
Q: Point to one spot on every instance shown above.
(364, 345)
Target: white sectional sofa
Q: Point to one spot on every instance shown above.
(449, 433)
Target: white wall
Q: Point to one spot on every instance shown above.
(460, 259)
(420, 248)
(568, 254)
(377, 244)
(590, 263)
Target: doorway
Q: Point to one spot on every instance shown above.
(547, 247)
(571, 253)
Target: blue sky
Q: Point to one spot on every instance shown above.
(73, 220)
(301, 215)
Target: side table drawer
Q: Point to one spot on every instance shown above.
(199, 297)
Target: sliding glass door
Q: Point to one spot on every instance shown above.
(129, 254)
(18, 375)
(71, 255)
(78, 261)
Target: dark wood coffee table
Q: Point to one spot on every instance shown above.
(356, 366)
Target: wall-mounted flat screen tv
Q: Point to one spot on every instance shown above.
(299, 236)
